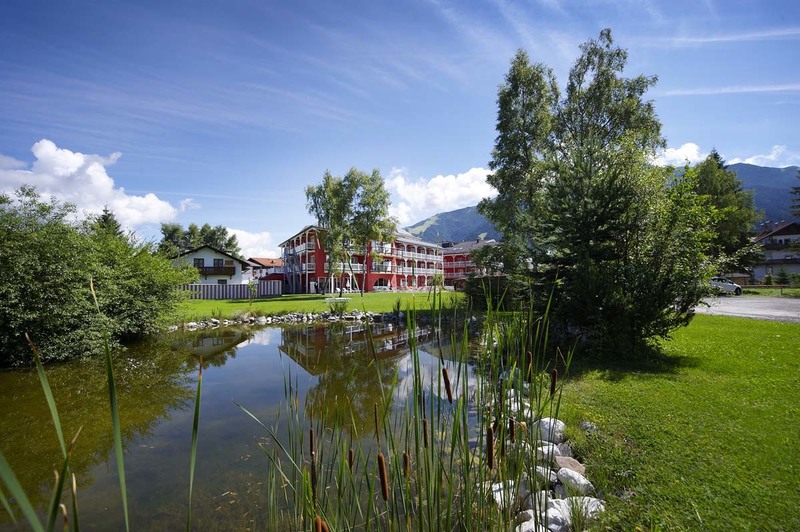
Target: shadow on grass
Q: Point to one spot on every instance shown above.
(647, 361)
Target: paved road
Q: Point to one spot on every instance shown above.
(763, 308)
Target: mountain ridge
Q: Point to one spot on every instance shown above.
(772, 195)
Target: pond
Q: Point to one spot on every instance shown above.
(329, 369)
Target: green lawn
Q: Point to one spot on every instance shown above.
(771, 292)
(196, 309)
(706, 437)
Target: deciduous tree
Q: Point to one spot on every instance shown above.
(580, 203)
(353, 210)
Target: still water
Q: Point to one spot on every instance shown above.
(331, 369)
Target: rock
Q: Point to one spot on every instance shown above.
(588, 427)
(530, 524)
(192, 325)
(503, 494)
(214, 321)
(547, 452)
(560, 491)
(574, 481)
(565, 448)
(565, 510)
(570, 463)
(550, 429)
(545, 475)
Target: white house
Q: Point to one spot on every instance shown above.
(780, 243)
(215, 266)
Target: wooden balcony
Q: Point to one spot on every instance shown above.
(217, 270)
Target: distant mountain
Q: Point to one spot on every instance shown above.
(772, 188)
(455, 226)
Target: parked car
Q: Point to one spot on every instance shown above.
(721, 284)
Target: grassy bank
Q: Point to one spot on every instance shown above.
(704, 437)
(197, 309)
(771, 292)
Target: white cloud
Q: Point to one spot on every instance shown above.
(259, 245)
(679, 156)
(82, 179)
(778, 157)
(188, 204)
(415, 200)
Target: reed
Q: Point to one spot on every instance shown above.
(416, 470)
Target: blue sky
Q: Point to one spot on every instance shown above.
(224, 111)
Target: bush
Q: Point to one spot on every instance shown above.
(46, 264)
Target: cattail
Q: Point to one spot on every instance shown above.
(502, 397)
(447, 387)
(384, 479)
(553, 381)
(311, 447)
(530, 366)
(406, 464)
(314, 478)
(490, 448)
(377, 430)
(318, 524)
(351, 458)
(325, 527)
(511, 429)
(425, 431)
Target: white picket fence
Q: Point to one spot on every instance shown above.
(233, 291)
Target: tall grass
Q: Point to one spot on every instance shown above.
(434, 458)
(454, 453)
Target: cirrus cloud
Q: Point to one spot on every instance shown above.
(82, 179)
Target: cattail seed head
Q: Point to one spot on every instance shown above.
(447, 387)
(383, 477)
(311, 447)
(406, 464)
(318, 524)
(351, 458)
(511, 429)
(425, 431)
(490, 448)
(553, 381)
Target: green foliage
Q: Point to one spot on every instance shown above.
(782, 277)
(579, 201)
(353, 211)
(174, 239)
(46, 263)
(734, 214)
(338, 305)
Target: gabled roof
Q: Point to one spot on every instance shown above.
(266, 262)
(244, 263)
(467, 247)
(783, 228)
(285, 243)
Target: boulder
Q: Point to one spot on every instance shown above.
(550, 429)
(574, 481)
(570, 463)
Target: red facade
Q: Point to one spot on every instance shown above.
(408, 263)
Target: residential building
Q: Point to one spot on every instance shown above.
(215, 266)
(457, 260)
(408, 263)
(266, 269)
(781, 244)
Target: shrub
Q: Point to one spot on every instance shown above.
(46, 264)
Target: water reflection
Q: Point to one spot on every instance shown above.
(334, 371)
(350, 363)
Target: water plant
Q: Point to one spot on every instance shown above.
(435, 459)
